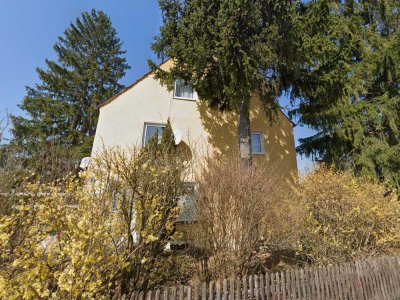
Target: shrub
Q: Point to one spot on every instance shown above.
(240, 213)
(51, 164)
(81, 238)
(347, 218)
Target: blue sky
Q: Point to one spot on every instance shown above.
(29, 29)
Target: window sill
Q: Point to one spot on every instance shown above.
(182, 98)
(258, 153)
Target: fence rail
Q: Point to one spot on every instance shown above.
(370, 279)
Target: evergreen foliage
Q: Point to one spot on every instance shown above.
(348, 86)
(227, 51)
(62, 108)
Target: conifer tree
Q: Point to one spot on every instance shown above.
(62, 108)
(227, 51)
(349, 86)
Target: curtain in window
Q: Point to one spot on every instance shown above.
(182, 90)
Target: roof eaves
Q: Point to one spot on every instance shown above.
(293, 123)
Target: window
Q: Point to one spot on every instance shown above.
(183, 91)
(257, 143)
(150, 130)
(188, 206)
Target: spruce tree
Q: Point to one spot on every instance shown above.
(349, 86)
(62, 108)
(227, 51)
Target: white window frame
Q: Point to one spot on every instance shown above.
(146, 124)
(261, 141)
(184, 98)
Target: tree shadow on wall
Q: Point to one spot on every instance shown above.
(221, 127)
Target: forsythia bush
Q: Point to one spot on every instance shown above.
(347, 217)
(81, 238)
(59, 243)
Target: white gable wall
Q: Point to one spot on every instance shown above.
(121, 122)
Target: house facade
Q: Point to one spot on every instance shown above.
(133, 115)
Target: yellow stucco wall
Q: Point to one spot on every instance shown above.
(121, 123)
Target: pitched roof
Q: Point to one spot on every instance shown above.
(147, 75)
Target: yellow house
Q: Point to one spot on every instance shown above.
(133, 115)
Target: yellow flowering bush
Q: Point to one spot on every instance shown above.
(347, 217)
(58, 243)
(83, 237)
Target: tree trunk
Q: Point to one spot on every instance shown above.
(245, 151)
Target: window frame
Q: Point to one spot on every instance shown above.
(183, 98)
(146, 124)
(261, 142)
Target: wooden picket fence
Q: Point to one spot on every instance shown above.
(370, 279)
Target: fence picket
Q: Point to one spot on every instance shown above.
(381, 280)
(262, 287)
(256, 288)
(311, 283)
(204, 292)
(251, 287)
(283, 286)
(173, 293)
(273, 286)
(396, 275)
(238, 289)
(149, 295)
(196, 292)
(321, 282)
(298, 283)
(165, 294)
(388, 278)
(342, 281)
(232, 288)
(189, 293)
(392, 289)
(218, 290)
(378, 291)
(225, 290)
(307, 282)
(370, 279)
(303, 284)
(244, 288)
(268, 286)
(277, 286)
(292, 288)
(329, 281)
(359, 281)
(385, 277)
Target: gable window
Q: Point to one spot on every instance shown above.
(257, 143)
(150, 130)
(184, 91)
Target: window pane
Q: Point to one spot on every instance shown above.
(151, 130)
(256, 143)
(182, 90)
